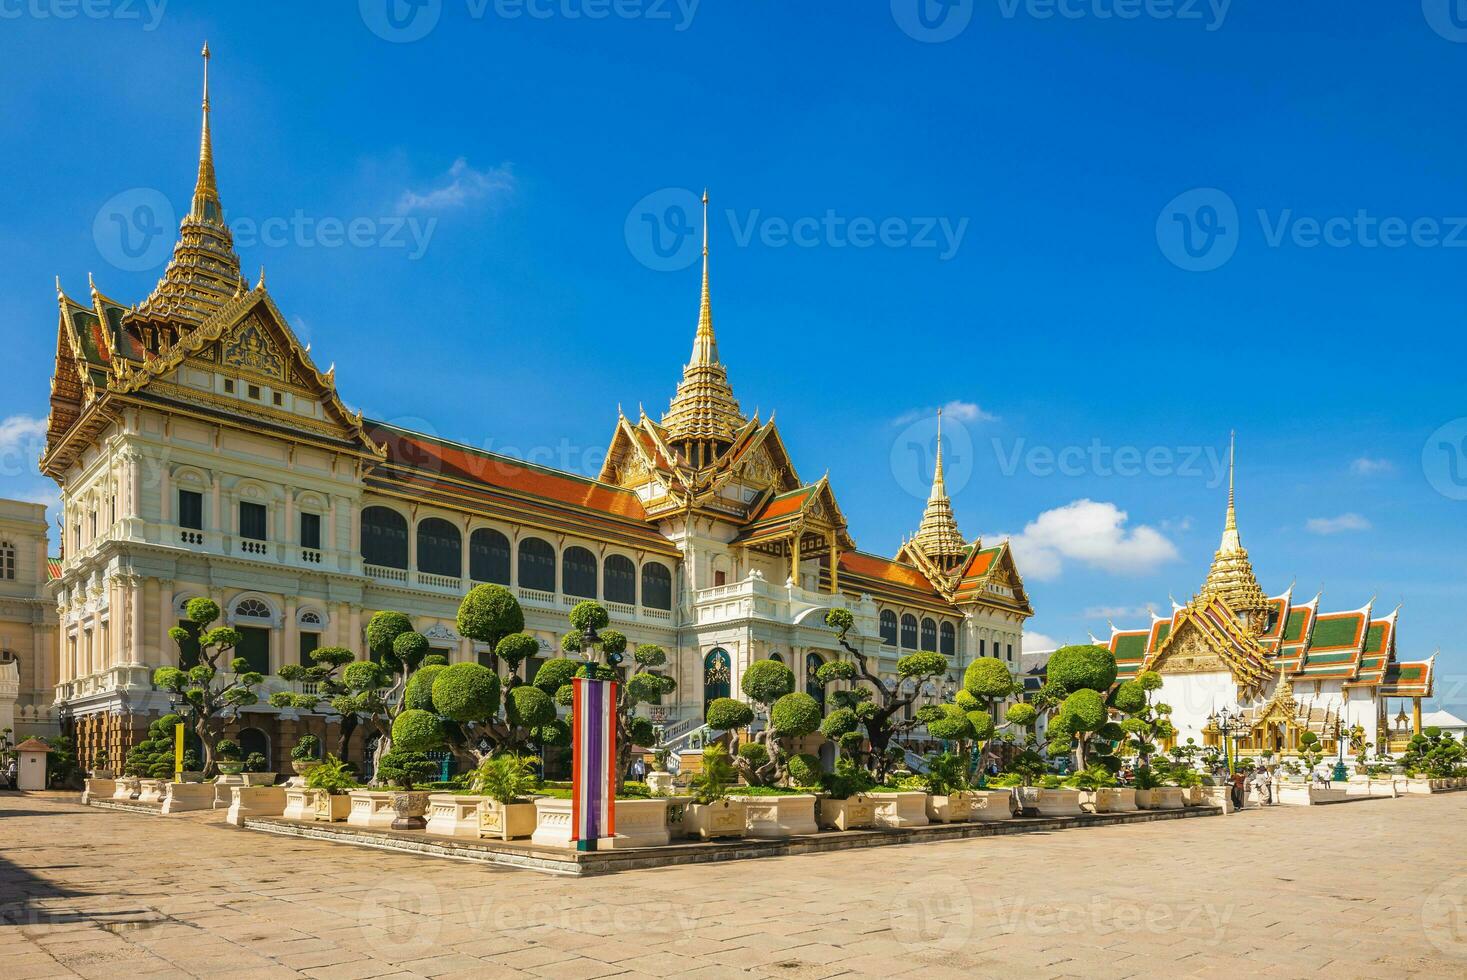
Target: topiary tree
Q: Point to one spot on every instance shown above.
(876, 706)
(988, 683)
(489, 613)
(1081, 667)
(153, 757)
(791, 715)
(209, 697)
(321, 686)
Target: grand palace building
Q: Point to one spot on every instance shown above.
(200, 451)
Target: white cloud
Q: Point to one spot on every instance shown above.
(22, 434)
(1092, 533)
(1037, 642)
(1366, 466)
(1121, 612)
(959, 410)
(1336, 525)
(460, 186)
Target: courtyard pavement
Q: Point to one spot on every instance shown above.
(1376, 888)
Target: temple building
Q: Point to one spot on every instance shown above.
(1270, 668)
(200, 451)
(27, 623)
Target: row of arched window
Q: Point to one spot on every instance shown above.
(905, 633)
(385, 543)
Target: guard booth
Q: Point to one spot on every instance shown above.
(31, 764)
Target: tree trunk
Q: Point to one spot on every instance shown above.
(344, 733)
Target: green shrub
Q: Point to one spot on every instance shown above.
(766, 681)
(307, 749)
(711, 785)
(227, 750)
(1021, 714)
(332, 775)
(946, 774)
(466, 692)
(507, 778)
(419, 693)
(1130, 698)
(754, 754)
(589, 615)
(848, 780)
(804, 770)
(988, 678)
(383, 629)
(410, 648)
(728, 715)
(489, 613)
(1081, 667)
(1084, 710)
(416, 730)
(254, 762)
(794, 715)
(515, 649)
(554, 674)
(404, 770)
(923, 663)
(529, 706)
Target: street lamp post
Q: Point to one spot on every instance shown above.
(1226, 723)
(1340, 774)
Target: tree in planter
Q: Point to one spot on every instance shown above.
(590, 637)
(228, 756)
(379, 685)
(877, 706)
(404, 770)
(950, 723)
(153, 758)
(324, 673)
(791, 715)
(988, 682)
(1146, 722)
(210, 698)
(1083, 719)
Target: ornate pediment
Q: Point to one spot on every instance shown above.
(250, 347)
(1190, 650)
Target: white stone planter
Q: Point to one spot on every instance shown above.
(907, 809)
(182, 797)
(774, 817)
(1415, 784)
(315, 804)
(1026, 800)
(254, 801)
(990, 805)
(642, 823)
(259, 778)
(845, 814)
(1192, 795)
(450, 815)
(150, 791)
(726, 818)
(553, 827)
(1161, 798)
(1307, 794)
(1384, 787)
(500, 821)
(1060, 803)
(128, 788)
(98, 788)
(953, 808)
(1113, 799)
(370, 808)
(1219, 796)
(659, 783)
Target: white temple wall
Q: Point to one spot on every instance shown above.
(1194, 697)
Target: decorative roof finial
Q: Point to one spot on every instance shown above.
(938, 534)
(1231, 576)
(1232, 520)
(205, 190)
(705, 347)
(938, 485)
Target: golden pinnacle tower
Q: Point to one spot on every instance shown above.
(938, 534)
(703, 417)
(203, 273)
(1231, 576)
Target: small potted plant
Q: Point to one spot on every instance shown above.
(101, 769)
(659, 780)
(305, 755)
(712, 813)
(228, 757)
(509, 783)
(946, 780)
(324, 797)
(403, 771)
(846, 804)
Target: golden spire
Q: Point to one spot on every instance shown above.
(704, 410)
(938, 535)
(1231, 575)
(203, 274)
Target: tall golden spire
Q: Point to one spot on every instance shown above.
(203, 274)
(1231, 575)
(704, 416)
(938, 535)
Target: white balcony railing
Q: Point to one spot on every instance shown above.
(385, 574)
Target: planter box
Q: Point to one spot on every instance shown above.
(98, 788)
(1415, 784)
(450, 815)
(1161, 798)
(1371, 786)
(642, 823)
(259, 778)
(1026, 800)
(1060, 803)
(953, 808)
(990, 805)
(1192, 795)
(1306, 794)
(254, 801)
(150, 791)
(410, 808)
(128, 788)
(726, 818)
(774, 817)
(1110, 799)
(498, 821)
(845, 814)
(182, 797)
(900, 809)
(371, 808)
(659, 783)
(315, 804)
(553, 824)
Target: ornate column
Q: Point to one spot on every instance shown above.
(1415, 716)
(166, 617)
(795, 558)
(833, 542)
(135, 615)
(290, 630)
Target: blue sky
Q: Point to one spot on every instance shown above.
(1105, 232)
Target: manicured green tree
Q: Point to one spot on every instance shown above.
(323, 677)
(153, 756)
(209, 697)
(489, 613)
(988, 683)
(876, 706)
(604, 651)
(1083, 719)
(1146, 722)
(769, 684)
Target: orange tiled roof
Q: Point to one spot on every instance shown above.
(859, 563)
(53, 567)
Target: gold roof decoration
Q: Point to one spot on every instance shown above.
(203, 274)
(938, 535)
(704, 408)
(1231, 576)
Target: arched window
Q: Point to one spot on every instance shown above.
(656, 586)
(717, 673)
(929, 634)
(948, 645)
(440, 548)
(909, 632)
(777, 657)
(7, 560)
(384, 538)
(620, 580)
(251, 609)
(813, 687)
(489, 556)
(888, 627)
(578, 572)
(537, 565)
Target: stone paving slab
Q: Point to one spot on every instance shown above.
(1369, 891)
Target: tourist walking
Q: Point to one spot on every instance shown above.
(12, 774)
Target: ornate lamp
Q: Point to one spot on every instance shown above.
(1340, 773)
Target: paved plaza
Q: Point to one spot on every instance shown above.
(1376, 888)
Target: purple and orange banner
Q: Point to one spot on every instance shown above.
(593, 760)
